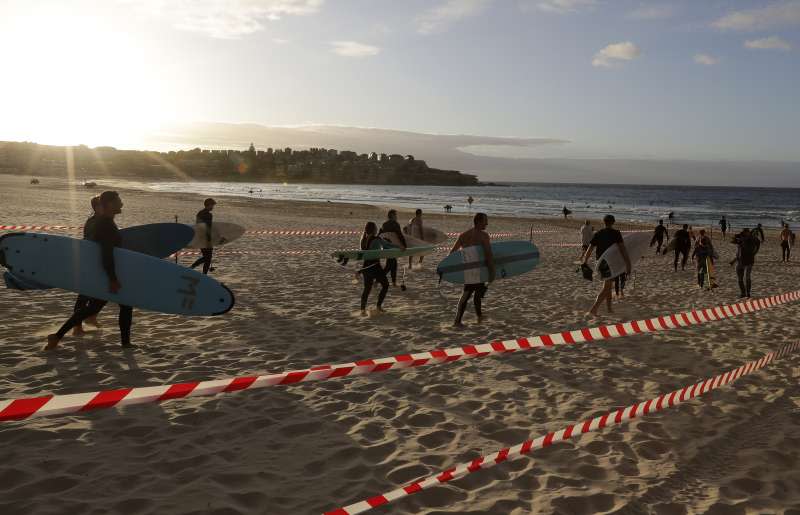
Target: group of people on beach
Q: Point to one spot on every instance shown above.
(101, 228)
(375, 239)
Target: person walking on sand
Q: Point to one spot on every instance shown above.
(723, 224)
(659, 234)
(758, 232)
(786, 243)
(107, 235)
(204, 216)
(416, 230)
(82, 301)
(472, 237)
(683, 246)
(372, 270)
(703, 256)
(391, 226)
(587, 231)
(603, 240)
(747, 246)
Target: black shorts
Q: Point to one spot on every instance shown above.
(605, 271)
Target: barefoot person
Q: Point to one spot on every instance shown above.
(603, 240)
(106, 234)
(587, 231)
(416, 230)
(391, 226)
(659, 235)
(82, 301)
(683, 246)
(786, 243)
(372, 270)
(475, 236)
(204, 216)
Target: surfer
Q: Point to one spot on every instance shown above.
(475, 236)
(703, 256)
(391, 226)
(603, 240)
(747, 248)
(683, 244)
(82, 300)
(106, 234)
(723, 224)
(659, 234)
(204, 216)
(416, 230)
(786, 246)
(566, 212)
(671, 217)
(758, 232)
(372, 270)
(587, 231)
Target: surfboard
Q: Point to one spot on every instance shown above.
(429, 234)
(637, 244)
(158, 240)
(410, 241)
(221, 234)
(672, 245)
(468, 265)
(343, 256)
(147, 282)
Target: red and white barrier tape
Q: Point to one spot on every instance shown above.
(39, 227)
(617, 417)
(18, 409)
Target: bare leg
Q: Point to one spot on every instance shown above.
(601, 297)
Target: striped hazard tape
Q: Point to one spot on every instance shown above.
(617, 417)
(18, 409)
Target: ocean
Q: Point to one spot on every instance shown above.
(694, 205)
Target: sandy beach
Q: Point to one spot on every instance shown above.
(314, 447)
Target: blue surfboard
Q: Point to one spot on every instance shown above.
(468, 265)
(147, 282)
(159, 240)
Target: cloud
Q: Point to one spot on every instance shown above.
(779, 14)
(612, 54)
(705, 59)
(224, 19)
(770, 43)
(354, 49)
(438, 18)
(652, 12)
(564, 6)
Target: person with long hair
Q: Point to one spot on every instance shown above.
(372, 270)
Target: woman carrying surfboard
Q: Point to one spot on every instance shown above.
(603, 240)
(372, 270)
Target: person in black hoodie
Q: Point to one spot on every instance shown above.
(106, 234)
(391, 226)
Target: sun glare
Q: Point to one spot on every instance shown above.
(74, 80)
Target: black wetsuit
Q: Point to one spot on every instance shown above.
(603, 240)
(106, 234)
(683, 244)
(748, 247)
(391, 264)
(88, 231)
(758, 232)
(372, 272)
(659, 235)
(204, 216)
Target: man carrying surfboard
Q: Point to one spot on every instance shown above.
(587, 231)
(475, 236)
(107, 235)
(391, 226)
(372, 270)
(603, 240)
(204, 216)
(82, 301)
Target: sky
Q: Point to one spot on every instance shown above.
(623, 79)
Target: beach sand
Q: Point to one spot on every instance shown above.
(314, 447)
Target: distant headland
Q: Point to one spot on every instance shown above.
(314, 165)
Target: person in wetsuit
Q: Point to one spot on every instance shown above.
(391, 226)
(723, 224)
(106, 234)
(603, 240)
(659, 234)
(82, 300)
(747, 247)
(475, 236)
(786, 243)
(204, 216)
(587, 231)
(372, 270)
(683, 245)
(758, 232)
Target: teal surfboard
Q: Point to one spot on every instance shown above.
(147, 282)
(159, 240)
(468, 265)
(343, 256)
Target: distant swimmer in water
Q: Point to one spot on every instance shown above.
(204, 216)
(372, 270)
(659, 234)
(475, 236)
(88, 232)
(603, 240)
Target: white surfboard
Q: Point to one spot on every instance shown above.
(636, 244)
(429, 234)
(221, 233)
(411, 242)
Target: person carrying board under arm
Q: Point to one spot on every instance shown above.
(391, 226)
(475, 236)
(204, 216)
(603, 240)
